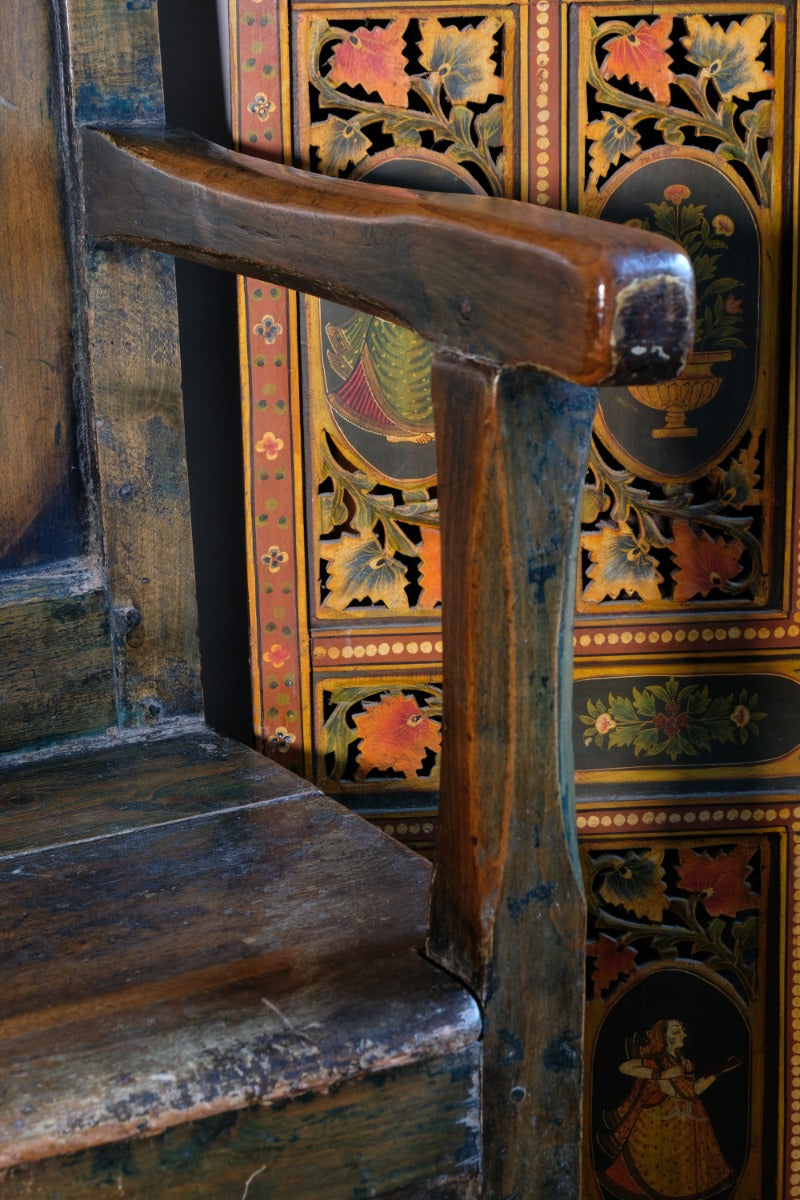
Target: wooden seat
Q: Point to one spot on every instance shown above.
(201, 933)
(216, 980)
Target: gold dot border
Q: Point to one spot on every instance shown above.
(681, 636)
(542, 158)
(407, 828)
(651, 817)
(423, 647)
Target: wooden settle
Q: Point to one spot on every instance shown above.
(213, 978)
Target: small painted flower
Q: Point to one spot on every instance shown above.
(676, 192)
(281, 739)
(733, 305)
(270, 445)
(274, 559)
(268, 328)
(261, 106)
(604, 723)
(723, 225)
(277, 656)
(741, 715)
(672, 721)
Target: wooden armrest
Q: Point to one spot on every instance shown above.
(506, 292)
(492, 280)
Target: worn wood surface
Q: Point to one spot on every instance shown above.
(131, 371)
(120, 784)
(36, 430)
(197, 965)
(56, 677)
(507, 910)
(627, 301)
(378, 1137)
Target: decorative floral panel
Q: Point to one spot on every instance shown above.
(685, 1047)
(681, 134)
(654, 115)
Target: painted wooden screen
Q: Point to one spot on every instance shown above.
(679, 118)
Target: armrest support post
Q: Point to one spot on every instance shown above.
(507, 911)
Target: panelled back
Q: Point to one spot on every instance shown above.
(97, 609)
(56, 666)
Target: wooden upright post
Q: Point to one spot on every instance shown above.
(507, 910)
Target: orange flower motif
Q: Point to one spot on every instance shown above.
(375, 60)
(270, 445)
(741, 715)
(611, 959)
(641, 55)
(721, 882)
(723, 225)
(430, 570)
(676, 192)
(395, 735)
(704, 563)
(277, 656)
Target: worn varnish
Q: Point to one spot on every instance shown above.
(36, 355)
(131, 364)
(627, 310)
(56, 652)
(196, 965)
(506, 904)
(214, 978)
(365, 1138)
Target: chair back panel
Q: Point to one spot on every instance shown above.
(97, 606)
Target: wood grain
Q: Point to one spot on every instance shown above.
(507, 911)
(36, 426)
(489, 279)
(132, 377)
(55, 650)
(184, 770)
(386, 1136)
(196, 965)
